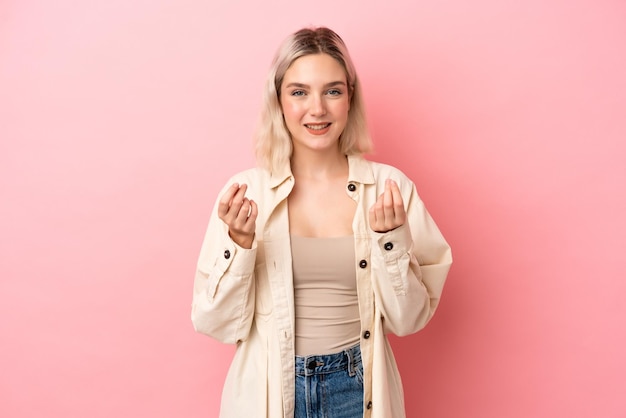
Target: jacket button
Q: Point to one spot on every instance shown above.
(388, 246)
(227, 254)
(366, 335)
(362, 264)
(351, 187)
(369, 405)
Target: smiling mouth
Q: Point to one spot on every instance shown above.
(317, 126)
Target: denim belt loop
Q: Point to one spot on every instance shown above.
(350, 355)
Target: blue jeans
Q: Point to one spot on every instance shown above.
(330, 386)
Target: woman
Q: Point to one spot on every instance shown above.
(310, 259)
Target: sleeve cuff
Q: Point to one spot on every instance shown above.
(394, 243)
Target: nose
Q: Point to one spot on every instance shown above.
(318, 106)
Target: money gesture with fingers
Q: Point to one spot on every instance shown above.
(388, 212)
(239, 214)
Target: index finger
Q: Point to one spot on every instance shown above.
(227, 197)
(395, 193)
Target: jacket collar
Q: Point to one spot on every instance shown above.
(359, 171)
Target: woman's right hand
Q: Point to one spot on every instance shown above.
(239, 213)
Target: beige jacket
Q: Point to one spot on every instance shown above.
(245, 296)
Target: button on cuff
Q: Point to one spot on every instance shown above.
(238, 261)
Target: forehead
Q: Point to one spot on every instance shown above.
(315, 68)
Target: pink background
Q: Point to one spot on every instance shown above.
(120, 120)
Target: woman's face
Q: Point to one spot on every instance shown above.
(315, 101)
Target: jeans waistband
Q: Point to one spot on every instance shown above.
(329, 363)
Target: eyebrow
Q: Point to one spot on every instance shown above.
(327, 85)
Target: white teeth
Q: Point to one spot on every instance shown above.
(317, 127)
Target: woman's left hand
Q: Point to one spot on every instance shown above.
(388, 212)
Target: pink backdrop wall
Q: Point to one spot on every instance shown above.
(119, 122)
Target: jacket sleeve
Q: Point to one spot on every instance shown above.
(409, 267)
(223, 290)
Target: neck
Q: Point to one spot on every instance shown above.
(318, 165)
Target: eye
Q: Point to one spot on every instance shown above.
(298, 93)
(334, 92)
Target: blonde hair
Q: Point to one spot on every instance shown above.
(273, 141)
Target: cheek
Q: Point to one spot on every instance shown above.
(343, 108)
(291, 111)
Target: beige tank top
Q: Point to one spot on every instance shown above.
(325, 295)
